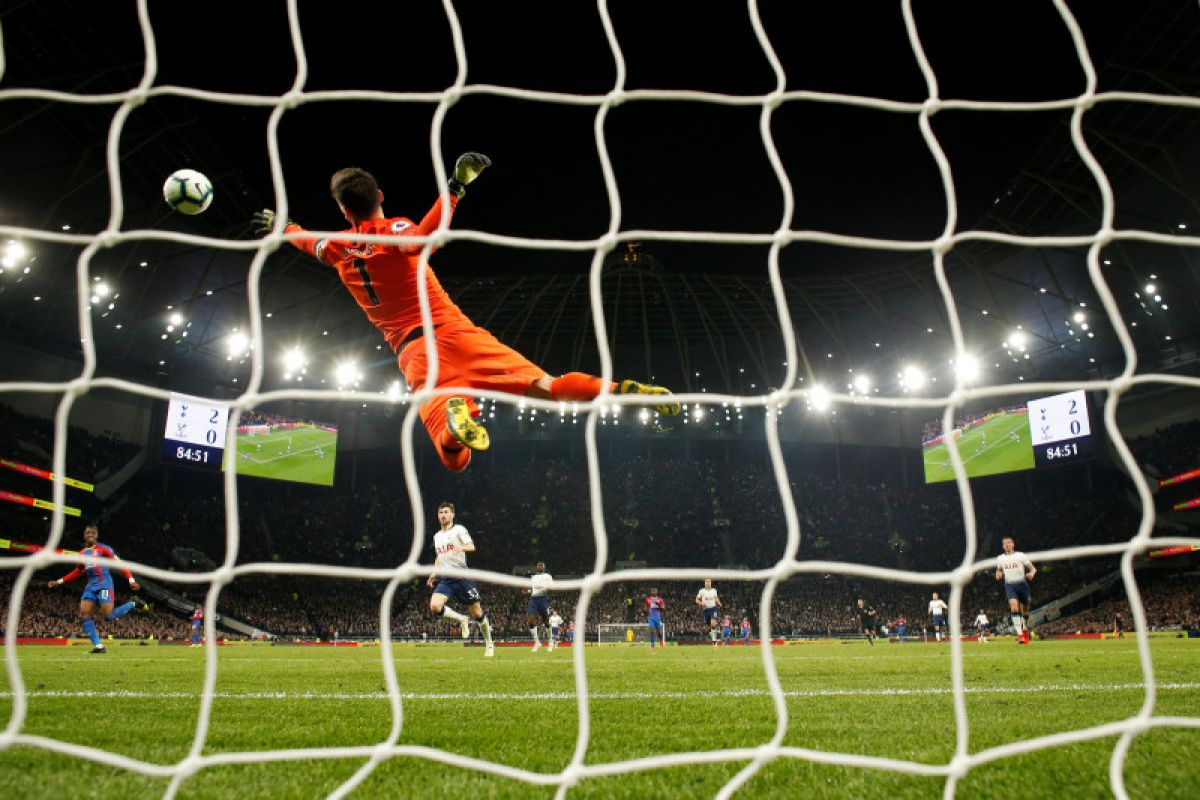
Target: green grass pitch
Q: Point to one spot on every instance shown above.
(292, 455)
(986, 450)
(518, 709)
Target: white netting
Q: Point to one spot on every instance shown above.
(963, 760)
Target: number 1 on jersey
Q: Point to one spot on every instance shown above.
(360, 264)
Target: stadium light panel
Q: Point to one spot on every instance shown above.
(912, 378)
(967, 368)
(294, 360)
(1016, 338)
(237, 343)
(818, 397)
(862, 384)
(346, 373)
(175, 319)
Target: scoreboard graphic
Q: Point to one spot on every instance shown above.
(195, 431)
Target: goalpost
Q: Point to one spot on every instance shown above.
(753, 760)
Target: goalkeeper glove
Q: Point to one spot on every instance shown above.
(264, 221)
(467, 169)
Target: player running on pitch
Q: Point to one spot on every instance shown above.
(710, 603)
(937, 613)
(538, 610)
(867, 622)
(726, 629)
(1016, 570)
(382, 279)
(452, 544)
(99, 590)
(654, 610)
(981, 626)
(745, 630)
(555, 629)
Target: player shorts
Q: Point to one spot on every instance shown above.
(197, 624)
(1017, 591)
(458, 589)
(469, 357)
(539, 606)
(939, 621)
(554, 632)
(710, 614)
(98, 594)
(655, 621)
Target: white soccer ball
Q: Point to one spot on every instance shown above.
(188, 191)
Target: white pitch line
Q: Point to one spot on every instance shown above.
(121, 694)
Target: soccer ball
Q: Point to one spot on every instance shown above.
(188, 191)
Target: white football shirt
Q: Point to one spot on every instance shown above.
(539, 582)
(937, 608)
(555, 621)
(442, 540)
(1014, 566)
(981, 621)
(707, 597)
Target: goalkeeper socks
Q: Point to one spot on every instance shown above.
(450, 613)
(121, 610)
(577, 386)
(485, 628)
(89, 628)
(536, 642)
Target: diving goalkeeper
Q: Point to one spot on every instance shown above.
(382, 279)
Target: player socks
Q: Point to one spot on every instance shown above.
(121, 610)
(450, 613)
(485, 628)
(1018, 623)
(577, 386)
(89, 628)
(536, 641)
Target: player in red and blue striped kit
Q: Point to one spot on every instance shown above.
(654, 608)
(99, 589)
(197, 624)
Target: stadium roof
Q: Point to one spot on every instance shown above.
(693, 314)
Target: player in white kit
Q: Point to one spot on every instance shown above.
(1016, 570)
(937, 611)
(538, 610)
(555, 629)
(452, 544)
(710, 603)
(981, 626)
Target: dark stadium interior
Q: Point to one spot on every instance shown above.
(695, 316)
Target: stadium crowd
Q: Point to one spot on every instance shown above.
(660, 511)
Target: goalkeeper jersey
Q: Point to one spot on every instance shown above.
(382, 278)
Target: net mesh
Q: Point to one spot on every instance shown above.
(963, 760)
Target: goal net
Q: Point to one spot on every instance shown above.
(795, 388)
(624, 633)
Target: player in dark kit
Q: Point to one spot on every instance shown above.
(383, 280)
(654, 611)
(99, 590)
(866, 621)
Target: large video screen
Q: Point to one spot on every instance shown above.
(270, 446)
(286, 449)
(1046, 431)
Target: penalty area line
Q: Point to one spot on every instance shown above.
(117, 694)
